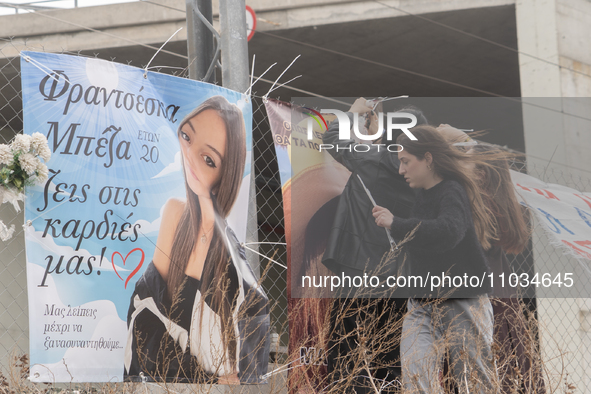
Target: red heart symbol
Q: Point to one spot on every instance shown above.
(125, 258)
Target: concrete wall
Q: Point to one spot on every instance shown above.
(558, 31)
(14, 319)
(141, 23)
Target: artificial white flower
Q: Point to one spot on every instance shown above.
(6, 155)
(44, 153)
(38, 141)
(42, 172)
(21, 142)
(28, 163)
(13, 196)
(5, 232)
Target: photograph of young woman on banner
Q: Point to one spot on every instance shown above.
(211, 319)
(136, 266)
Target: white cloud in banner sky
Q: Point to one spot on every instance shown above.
(146, 227)
(74, 364)
(236, 220)
(102, 73)
(172, 167)
(241, 104)
(89, 365)
(49, 244)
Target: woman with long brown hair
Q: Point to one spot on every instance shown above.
(518, 365)
(451, 225)
(198, 313)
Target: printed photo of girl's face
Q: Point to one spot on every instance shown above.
(203, 146)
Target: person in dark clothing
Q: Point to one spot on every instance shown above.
(356, 246)
(517, 366)
(451, 225)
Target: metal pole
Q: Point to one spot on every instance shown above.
(235, 76)
(234, 45)
(199, 39)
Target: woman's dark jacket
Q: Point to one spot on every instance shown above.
(445, 243)
(356, 245)
(163, 352)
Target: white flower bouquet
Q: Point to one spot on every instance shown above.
(20, 166)
(21, 163)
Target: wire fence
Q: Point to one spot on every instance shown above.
(14, 325)
(565, 323)
(271, 228)
(563, 319)
(268, 216)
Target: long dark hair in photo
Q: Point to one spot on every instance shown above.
(450, 163)
(499, 194)
(215, 280)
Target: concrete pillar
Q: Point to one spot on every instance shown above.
(556, 31)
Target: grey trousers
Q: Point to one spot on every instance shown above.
(461, 327)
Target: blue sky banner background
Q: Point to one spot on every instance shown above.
(91, 228)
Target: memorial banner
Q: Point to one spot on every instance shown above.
(138, 226)
(307, 184)
(564, 213)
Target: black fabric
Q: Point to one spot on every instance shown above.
(157, 357)
(445, 241)
(518, 364)
(380, 323)
(183, 314)
(356, 245)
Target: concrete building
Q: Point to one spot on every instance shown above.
(350, 48)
